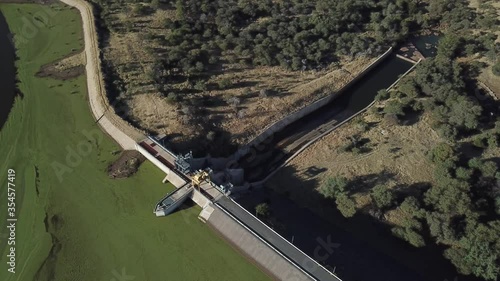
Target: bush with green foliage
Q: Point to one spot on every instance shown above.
(333, 187)
(496, 69)
(224, 83)
(262, 210)
(382, 95)
(409, 235)
(382, 196)
(345, 205)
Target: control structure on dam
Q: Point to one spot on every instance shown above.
(268, 249)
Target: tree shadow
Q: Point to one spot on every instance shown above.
(364, 183)
(417, 190)
(365, 242)
(468, 150)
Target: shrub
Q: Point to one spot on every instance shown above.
(361, 124)
(410, 235)
(262, 210)
(496, 69)
(233, 101)
(382, 95)
(224, 83)
(394, 107)
(173, 97)
(155, 4)
(138, 10)
(211, 136)
(200, 85)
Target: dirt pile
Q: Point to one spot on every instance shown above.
(126, 165)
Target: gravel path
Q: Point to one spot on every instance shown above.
(118, 129)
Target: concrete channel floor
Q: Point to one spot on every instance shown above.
(301, 259)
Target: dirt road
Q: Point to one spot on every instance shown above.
(122, 132)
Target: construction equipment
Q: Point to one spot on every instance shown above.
(199, 178)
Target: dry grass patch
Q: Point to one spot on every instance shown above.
(396, 157)
(239, 110)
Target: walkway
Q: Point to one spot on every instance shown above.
(299, 258)
(118, 129)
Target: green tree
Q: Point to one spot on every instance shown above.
(478, 252)
(345, 205)
(448, 46)
(179, 8)
(445, 154)
(382, 196)
(465, 113)
(488, 169)
(333, 186)
(464, 173)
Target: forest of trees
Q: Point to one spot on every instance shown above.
(461, 209)
(294, 34)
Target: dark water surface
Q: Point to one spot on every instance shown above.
(7, 72)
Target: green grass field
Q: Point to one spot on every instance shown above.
(83, 225)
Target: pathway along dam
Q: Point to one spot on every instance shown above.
(273, 151)
(7, 72)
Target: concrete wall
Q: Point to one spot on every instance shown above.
(172, 177)
(199, 199)
(277, 126)
(256, 249)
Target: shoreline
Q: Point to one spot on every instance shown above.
(8, 71)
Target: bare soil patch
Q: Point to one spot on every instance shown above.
(126, 165)
(69, 67)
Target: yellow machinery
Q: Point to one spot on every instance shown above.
(199, 178)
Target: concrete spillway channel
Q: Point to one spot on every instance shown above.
(270, 153)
